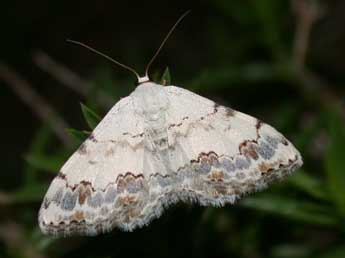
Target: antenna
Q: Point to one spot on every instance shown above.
(146, 77)
(163, 43)
(105, 56)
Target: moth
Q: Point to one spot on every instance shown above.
(158, 146)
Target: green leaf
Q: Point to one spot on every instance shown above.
(45, 162)
(90, 116)
(38, 146)
(309, 184)
(335, 162)
(45, 242)
(166, 77)
(293, 209)
(267, 12)
(335, 253)
(29, 193)
(78, 135)
(292, 250)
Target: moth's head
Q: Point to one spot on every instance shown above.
(142, 80)
(150, 97)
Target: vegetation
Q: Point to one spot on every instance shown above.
(281, 61)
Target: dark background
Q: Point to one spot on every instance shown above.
(281, 61)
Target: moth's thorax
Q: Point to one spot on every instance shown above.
(150, 100)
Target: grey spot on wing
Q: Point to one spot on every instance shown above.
(215, 162)
(242, 163)
(265, 151)
(134, 186)
(240, 176)
(204, 167)
(69, 201)
(95, 201)
(273, 142)
(110, 195)
(164, 182)
(57, 196)
(228, 165)
(104, 211)
(180, 176)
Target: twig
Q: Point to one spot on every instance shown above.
(61, 73)
(37, 104)
(313, 87)
(318, 91)
(5, 198)
(68, 78)
(13, 236)
(307, 13)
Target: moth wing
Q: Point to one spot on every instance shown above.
(229, 153)
(88, 194)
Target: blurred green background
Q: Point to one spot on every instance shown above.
(279, 60)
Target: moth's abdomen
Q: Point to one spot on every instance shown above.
(156, 132)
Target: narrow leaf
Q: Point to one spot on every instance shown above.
(335, 253)
(293, 209)
(309, 184)
(45, 162)
(90, 116)
(29, 193)
(335, 162)
(78, 135)
(39, 145)
(292, 250)
(166, 77)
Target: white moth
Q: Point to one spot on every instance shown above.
(158, 146)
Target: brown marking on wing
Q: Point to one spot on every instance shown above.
(248, 150)
(84, 193)
(265, 167)
(216, 175)
(78, 216)
(126, 200)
